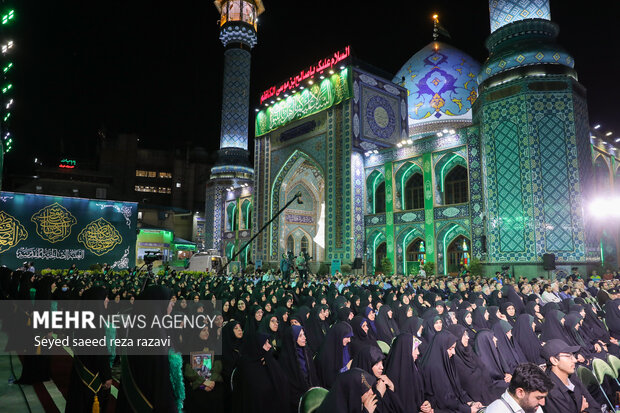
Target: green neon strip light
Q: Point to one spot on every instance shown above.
(445, 251)
(247, 214)
(405, 251)
(374, 252)
(232, 215)
(443, 169)
(402, 185)
(602, 254)
(374, 193)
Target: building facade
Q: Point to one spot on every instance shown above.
(448, 161)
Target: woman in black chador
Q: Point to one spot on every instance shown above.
(149, 376)
(401, 368)
(259, 384)
(370, 359)
(352, 393)
(524, 336)
(441, 382)
(334, 354)
(81, 394)
(472, 373)
(297, 364)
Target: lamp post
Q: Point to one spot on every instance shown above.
(297, 198)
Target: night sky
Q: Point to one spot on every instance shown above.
(155, 68)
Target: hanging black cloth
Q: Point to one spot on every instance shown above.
(401, 368)
(472, 373)
(298, 366)
(346, 394)
(524, 336)
(441, 382)
(333, 355)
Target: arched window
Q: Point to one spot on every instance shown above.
(248, 255)
(601, 171)
(455, 186)
(304, 244)
(416, 251)
(231, 212)
(380, 198)
(246, 211)
(458, 253)
(414, 192)
(380, 254)
(290, 244)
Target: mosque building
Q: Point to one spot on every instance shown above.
(447, 162)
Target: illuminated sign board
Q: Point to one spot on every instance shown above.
(330, 91)
(295, 81)
(67, 164)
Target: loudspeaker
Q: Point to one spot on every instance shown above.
(483, 240)
(357, 264)
(549, 261)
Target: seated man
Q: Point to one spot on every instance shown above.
(526, 393)
(568, 395)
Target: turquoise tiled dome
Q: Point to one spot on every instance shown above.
(442, 85)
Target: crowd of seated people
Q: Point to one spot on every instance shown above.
(374, 343)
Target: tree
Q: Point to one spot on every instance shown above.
(386, 266)
(429, 268)
(475, 267)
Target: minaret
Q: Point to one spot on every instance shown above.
(232, 171)
(535, 146)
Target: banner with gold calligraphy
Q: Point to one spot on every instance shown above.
(55, 232)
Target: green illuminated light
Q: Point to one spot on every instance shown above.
(445, 251)
(374, 193)
(7, 67)
(9, 16)
(7, 88)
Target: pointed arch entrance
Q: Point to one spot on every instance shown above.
(300, 173)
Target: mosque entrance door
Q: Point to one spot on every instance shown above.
(380, 255)
(458, 254)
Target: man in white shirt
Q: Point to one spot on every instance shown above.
(550, 295)
(526, 393)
